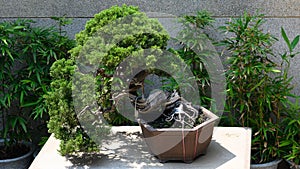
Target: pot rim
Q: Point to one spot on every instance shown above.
(275, 162)
(29, 144)
(212, 119)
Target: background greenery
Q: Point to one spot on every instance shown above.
(26, 55)
(258, 88)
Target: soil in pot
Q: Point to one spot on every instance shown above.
(16, 157)
(13, 151)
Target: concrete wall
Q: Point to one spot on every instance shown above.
(278, 13)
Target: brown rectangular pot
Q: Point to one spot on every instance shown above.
(179, 144)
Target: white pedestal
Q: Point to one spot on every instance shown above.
(229, 149)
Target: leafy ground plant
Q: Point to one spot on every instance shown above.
(257, 91)
(27, 53)
(290, 142)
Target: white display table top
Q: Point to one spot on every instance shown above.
(230, 148)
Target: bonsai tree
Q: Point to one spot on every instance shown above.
(26, 56)
(99, 31)
(257, 91)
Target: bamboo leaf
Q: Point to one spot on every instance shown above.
(30, 104)
(295, 42)
(284, 143)
(38, 78)
(19, 27)
(14, 122)
(9, 54)
(258, 84)
(22, 97)
(22, 122)
(275, 70)
(286, 39)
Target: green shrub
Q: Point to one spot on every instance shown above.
(290, 124)
(63, 120)
(194, 37)
(290, 142)
(257, 91)
(27, 54)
